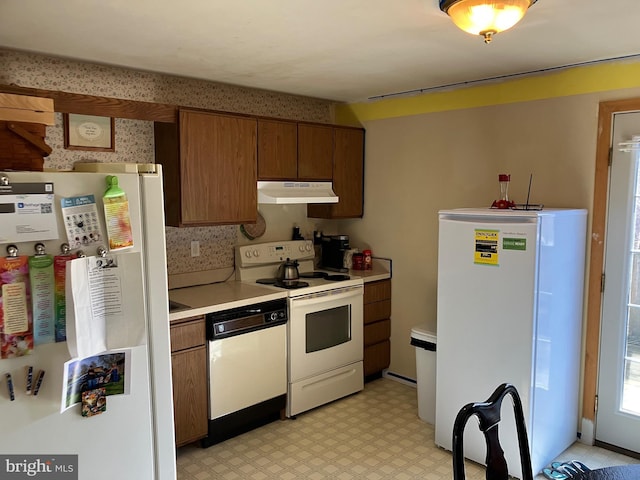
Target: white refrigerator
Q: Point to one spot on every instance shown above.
(134, 437)
(510, 301)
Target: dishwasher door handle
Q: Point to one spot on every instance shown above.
(240, 326)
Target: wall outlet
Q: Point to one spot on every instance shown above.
(195, 248)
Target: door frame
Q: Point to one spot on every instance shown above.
(596, 265)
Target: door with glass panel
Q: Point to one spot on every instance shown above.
(618, 415)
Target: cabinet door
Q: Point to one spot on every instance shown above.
(348, 176)
(189, 371)
(348, 172)
(315, 152)
(277, 150)
(218, 168)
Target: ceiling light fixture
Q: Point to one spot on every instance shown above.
(485, 17)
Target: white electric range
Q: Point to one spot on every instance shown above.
(325, 327)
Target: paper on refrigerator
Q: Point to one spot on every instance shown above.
(105, 304)
(111, 370)
(81, 221)
(27, 213)
(16, 317)
(42, 293)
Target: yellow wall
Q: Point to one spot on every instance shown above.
(445, 150)
(570, 81)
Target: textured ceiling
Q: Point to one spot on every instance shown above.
(343, 50)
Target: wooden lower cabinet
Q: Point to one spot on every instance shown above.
(189, 371)
(377, 327)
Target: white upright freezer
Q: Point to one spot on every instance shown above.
(134, 437)
(510, 301)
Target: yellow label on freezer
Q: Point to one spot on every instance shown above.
(486, 247)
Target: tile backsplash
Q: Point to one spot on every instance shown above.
(134, 138)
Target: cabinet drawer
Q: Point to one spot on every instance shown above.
(374, 312)
(377, 332)
(377, 357)
(187, 335)
(376, 291)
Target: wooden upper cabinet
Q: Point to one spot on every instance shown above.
(218, 167)
(210, 168)
(348, 176)
(315, 152)
(277, 150)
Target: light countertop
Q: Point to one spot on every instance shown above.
(215, 297)
(372, 275)
(381, 270)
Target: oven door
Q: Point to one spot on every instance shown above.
(325, 331)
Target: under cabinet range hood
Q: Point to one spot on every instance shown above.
(296, 192)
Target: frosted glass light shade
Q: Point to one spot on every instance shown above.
(485, 17)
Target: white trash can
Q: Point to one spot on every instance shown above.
(425, 343)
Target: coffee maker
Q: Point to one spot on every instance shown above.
(333, 248)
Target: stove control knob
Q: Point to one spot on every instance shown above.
(307, 246)
(256, 253)
(247, 253)
(273, 316)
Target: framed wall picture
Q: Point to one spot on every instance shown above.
(89, 132)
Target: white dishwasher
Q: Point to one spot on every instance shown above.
(247, 371)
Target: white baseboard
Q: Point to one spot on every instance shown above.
(587, 432)
(399, 378)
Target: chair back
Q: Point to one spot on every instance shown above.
(488, 414)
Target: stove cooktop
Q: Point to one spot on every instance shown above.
(293, 284)
(313, 274)
(259, 263)
(290, 285)
(327, 276)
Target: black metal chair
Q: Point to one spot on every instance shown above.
(488, 414)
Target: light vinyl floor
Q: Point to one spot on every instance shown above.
(375, 434)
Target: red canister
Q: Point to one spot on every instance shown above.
(358, 261)
(368, 262)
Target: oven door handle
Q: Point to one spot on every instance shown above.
(349, 292)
